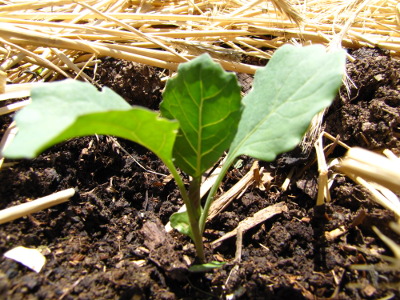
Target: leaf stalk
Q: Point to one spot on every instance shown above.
(193, 212)
(213, 191)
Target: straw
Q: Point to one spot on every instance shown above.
(21, 210)
(166, 33)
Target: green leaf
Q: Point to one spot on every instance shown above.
(296, 84)
(67, 109)
(206, 101)
(180, 221)
(206, 267)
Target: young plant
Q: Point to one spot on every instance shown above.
(202, 116)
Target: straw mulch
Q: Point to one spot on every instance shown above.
(40, 40)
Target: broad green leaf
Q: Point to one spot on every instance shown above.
(67, 109)
(180, 221)
(296, 84)
(206, 101)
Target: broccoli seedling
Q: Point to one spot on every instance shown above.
(202, 115)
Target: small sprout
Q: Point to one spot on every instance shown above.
(206, 267)
(203, 115)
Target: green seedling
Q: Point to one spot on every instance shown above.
(202, 115)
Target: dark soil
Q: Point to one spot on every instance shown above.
(108, 241)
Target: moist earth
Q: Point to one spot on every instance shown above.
(109, 242)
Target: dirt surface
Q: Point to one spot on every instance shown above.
(108, 241)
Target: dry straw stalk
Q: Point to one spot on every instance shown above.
(56, 37)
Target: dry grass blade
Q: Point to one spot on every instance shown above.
(286, 8)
